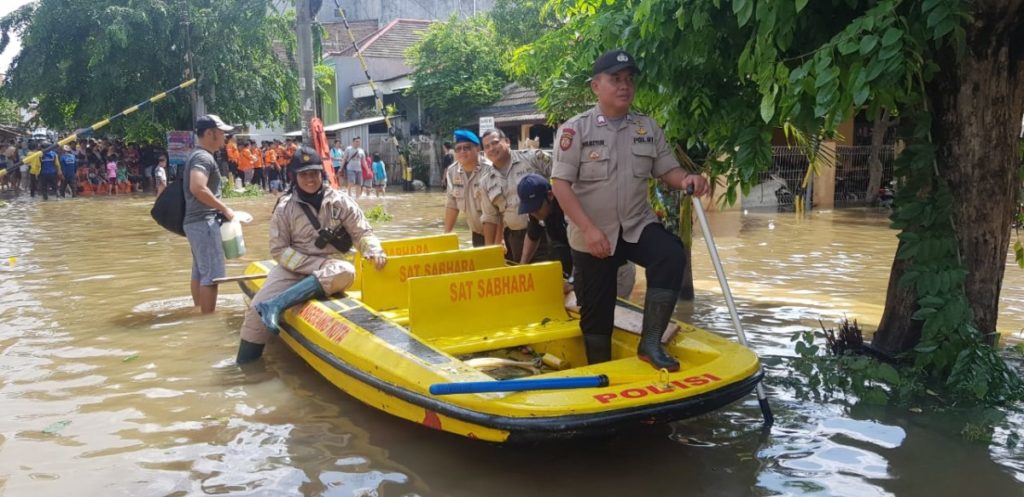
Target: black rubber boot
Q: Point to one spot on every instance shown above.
(270, 310)
(599, 348)
(658, 307)
(249, 352)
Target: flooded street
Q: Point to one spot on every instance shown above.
(110, 384)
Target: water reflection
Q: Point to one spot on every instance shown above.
(111, 384)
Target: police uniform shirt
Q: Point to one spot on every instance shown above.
(464, 193)
(609, 168)
(500, 188)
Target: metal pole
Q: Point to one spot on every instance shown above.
(193, 96)
(762, 397)
(304, 36)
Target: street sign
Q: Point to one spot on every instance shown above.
(486, 123)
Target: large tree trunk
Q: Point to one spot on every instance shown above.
(976, 105)
(878, 131)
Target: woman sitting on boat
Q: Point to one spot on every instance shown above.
(309, 225)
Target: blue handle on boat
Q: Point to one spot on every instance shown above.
(519, 385)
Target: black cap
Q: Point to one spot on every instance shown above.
(209, 121)
(614, 61)
(306, 158)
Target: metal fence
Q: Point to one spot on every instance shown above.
(780, 185)
(853, 173)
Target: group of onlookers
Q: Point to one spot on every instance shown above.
(87, 165)
(263, 164)
(356, 171)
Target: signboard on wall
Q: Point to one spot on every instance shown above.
(486, 123)
(179, 145)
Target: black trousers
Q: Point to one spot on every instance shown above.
(478, 239)
(46, 182)
(514, 244)
(658, 251)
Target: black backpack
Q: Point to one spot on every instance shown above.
(169, 208)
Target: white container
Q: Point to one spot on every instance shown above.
(231, 236)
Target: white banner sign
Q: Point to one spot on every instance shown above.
(486, 123)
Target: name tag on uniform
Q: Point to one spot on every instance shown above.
(593, 143)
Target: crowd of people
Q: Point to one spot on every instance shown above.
(84, 166)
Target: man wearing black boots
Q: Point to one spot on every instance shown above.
(309, 225)
(603, 160)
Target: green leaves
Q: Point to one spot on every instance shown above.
(455, 71)
(111, 55)
(867, 44)
(743, 10)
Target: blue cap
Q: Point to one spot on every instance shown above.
(465, 135)
(533, 191)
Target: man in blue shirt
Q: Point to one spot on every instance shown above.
(69, 166)
(49, 171)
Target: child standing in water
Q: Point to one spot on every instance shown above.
(160, 175)
(380, 175)
(112, 173)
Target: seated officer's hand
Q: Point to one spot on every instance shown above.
(700, 184)
(597, 243)
(378, 260)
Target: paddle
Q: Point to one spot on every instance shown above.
(244, 277)
(762, 397)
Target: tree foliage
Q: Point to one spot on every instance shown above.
(520, 22)
(456, 71)
(9, 113)
(720, 75)
(83, 60)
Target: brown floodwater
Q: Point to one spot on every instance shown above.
(110, 384)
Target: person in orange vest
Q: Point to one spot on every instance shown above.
(245, 164)
(232, 150)
(257, 165)
(269, 161)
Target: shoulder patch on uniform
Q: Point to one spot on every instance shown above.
(566, 140)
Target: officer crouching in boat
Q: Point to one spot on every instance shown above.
(309, 225)
(602, 163)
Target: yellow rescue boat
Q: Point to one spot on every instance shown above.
(437, 315)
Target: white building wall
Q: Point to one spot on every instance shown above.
(389, 10)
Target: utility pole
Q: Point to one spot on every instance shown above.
(304, 37)
(193, 95)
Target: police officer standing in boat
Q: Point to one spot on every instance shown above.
(500, 198)
(463, 180)
(603, 159)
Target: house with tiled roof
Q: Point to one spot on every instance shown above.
(383, 50)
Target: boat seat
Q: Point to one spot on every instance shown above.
(408, 246)
(386, 289)
(490, 309)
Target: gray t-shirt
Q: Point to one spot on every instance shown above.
(354, 158)
(195, 210)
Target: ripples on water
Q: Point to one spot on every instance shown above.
(112, 385)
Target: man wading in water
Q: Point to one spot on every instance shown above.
(202, 204)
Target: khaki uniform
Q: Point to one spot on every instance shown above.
(609, 169)
(500, 188)
(292, 245)
(464, 193)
